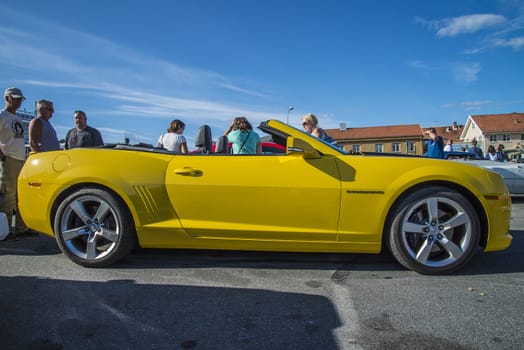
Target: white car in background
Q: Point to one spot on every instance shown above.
(512, 172)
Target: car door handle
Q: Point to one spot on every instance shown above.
(188, 171)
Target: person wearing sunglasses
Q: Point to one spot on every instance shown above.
(310, 125)
(42, 135)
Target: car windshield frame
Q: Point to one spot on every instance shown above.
(269, 130)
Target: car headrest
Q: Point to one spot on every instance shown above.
(203, 138)
(222, 145)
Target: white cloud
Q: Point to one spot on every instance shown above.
(497, 28)
(452, 27)
(466, 72)
(460, 71)
(515, 43)
(469, 105)
(419, 65)
(87, 62)
(140, 102)
(147, 88)
(244, 91)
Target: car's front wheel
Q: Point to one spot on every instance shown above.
(435, 230)
(94, 228)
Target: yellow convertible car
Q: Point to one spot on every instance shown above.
(101, 203)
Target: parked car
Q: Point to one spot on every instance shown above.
(100, 203)
(461, 155)
(514, 155)
(512, 172)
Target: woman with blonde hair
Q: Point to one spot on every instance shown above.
(173, 140)
(244, 140)
(310, 125)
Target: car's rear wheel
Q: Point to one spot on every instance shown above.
(94, 228)
(434, 231)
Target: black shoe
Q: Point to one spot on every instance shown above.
(27, 233)
(11, 238)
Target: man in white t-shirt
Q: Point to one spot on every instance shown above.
(12, 157)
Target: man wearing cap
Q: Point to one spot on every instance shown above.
(12, 156)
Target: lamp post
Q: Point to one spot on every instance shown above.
(290, 108)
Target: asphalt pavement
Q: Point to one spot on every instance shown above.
(179, 299)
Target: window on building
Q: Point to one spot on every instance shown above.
(356, 148)
(395, 147)
(411, 146)
(493, 138)
(522, 136)
(379, 147)
(506, 137)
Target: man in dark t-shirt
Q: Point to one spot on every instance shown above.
(82, 135)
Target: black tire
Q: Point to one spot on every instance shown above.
(93, 228)
(434, 231)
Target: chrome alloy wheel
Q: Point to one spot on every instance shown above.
(89, 227)
(436, 231)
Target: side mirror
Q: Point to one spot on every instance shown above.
(300, 147)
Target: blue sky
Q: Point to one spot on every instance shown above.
(133, 66)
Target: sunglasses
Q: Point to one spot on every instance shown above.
(49, 109)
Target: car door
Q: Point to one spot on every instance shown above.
(274, 197)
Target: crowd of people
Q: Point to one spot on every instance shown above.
(42, 137)
(436, 148)
(239, 134)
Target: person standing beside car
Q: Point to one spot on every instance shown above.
(502, 156)
(435, 144)
(492, 154)
(449, 146)
(12, 157)
(82, 135)
(42, 135)
(244, 140)
(173, 140)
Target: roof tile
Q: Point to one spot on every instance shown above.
(492, 123)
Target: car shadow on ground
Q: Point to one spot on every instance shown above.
(122, 314)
